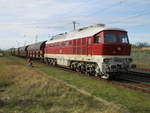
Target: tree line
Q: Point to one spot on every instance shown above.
(140, 45)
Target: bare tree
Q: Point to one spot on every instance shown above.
(142, 44)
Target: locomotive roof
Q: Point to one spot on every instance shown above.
(36, 46)
(80, 33)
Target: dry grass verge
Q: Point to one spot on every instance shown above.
(24, 90)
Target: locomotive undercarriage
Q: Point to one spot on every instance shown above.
(91, 68)
(113, 70)
(115, 66)
(105, 70)
(83, 67)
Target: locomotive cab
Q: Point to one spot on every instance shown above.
(115, 50)
(111, 42)
(116, 43)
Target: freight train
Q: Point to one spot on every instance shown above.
(94, 50)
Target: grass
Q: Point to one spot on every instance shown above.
(26, 90)
(134, 101)
(141, 58)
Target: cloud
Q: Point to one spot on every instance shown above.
(43, 17)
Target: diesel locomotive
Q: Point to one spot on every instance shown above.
(96, 50)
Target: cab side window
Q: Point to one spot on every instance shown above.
(97, 39)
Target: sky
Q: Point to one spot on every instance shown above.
(24, 22)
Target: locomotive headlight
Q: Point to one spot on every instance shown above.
(119, 48)
(106, 60)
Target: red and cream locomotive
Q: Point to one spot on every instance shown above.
(95, 50)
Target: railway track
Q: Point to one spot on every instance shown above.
(142, 69)
(144, 74)
(138, 76)
(130, 81)
(143, 84)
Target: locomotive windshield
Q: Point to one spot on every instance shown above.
(116, 37)
(110, 37)
(123, 38)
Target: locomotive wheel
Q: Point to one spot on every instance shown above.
(72, 66)
(75, 66)
(96, 70)
(82, 68)
(93, 70)
(87, 69)
(78, 67)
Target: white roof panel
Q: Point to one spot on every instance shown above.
(81, 33)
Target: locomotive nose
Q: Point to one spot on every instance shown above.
(122, 49)
(117, 49)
